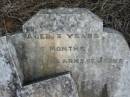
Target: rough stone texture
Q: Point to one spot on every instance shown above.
(61, 20)
(119, 48)
(64, 20)
(9, 71)
(62, 86)
(107, 56)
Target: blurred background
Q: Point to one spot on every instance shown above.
(115, 13)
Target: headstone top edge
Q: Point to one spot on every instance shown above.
(62, 10)
(113, 31)
(116, 34)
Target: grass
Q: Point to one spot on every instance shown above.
(115, 13)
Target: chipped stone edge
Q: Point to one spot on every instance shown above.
(68, 75)
(15, 62)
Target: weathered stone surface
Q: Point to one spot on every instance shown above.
(62, 86)
(61, 20)
(64, 20)
(9, 71)
(99, 60)
(119, 48)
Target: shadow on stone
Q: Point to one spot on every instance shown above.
(45, 78)
(104, 92)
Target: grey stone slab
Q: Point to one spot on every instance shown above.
(119, 48)
(64, 20)
(97, 59)
(61, 20)
(61, 86)
(10, 75)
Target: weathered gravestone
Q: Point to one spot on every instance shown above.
(59, 21)
(63, 39)
(10, 75)
(61, 86)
